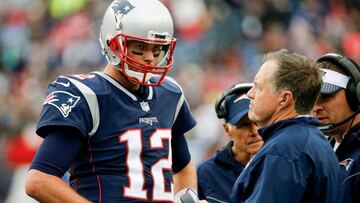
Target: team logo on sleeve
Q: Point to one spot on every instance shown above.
(347, 163)
(63, 101)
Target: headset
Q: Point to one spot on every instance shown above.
(352, 91)
(235, 89)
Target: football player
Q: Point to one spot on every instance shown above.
(121, 131)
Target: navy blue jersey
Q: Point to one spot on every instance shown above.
(217, 175)
(295, 164)
(126, 154)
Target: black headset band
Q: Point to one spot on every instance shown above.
(344, 64)
(351, 69)
(235, 89)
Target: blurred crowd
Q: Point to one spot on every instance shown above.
(220, 42)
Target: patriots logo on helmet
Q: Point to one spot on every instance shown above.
(63, 101)
(346, 162)
(122, 7)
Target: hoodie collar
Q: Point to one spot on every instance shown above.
(224, 156)
(267, 132)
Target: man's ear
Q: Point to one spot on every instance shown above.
(286, 98)
(226, 128)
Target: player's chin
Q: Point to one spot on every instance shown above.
(254, 147)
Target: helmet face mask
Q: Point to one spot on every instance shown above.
(145, 21)
(137, 71)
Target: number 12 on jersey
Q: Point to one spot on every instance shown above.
(135, 166)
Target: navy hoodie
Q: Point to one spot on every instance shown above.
(217, 175)
(295, 164)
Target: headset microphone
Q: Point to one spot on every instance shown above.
(330, 126)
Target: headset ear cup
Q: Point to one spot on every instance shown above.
(357, 93)
(222, 109)
(349, 93)
(220, 106)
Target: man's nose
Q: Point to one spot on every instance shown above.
(316, 109)
(254, 129)
(148, 56)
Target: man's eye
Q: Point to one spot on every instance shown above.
(140, 47)
(156, 51)
(243, 124)
(326, 96)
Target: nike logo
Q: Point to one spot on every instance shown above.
(62, 83)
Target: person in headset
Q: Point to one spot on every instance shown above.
(216, 175)
(121, 130)
(296, 162)
(337, 108)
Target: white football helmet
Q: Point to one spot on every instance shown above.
(148, 21)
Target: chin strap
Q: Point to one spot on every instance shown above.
(186, 195)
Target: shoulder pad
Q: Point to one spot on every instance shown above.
(69, 86)
(171, 85)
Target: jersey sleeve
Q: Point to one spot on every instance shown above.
(67, 105)
(183, 123)
(57, 151)
(184, 120)
(181, 155)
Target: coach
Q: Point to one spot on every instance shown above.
(338, 109)
(296, 162)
